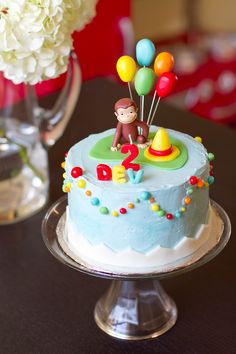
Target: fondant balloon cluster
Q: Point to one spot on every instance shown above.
(144, 77)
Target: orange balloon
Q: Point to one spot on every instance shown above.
(163, 63)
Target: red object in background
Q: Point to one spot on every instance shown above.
(97, 46)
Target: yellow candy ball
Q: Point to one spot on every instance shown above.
(81, 183)
(198, 139)
(183, 209)
(206, 184)
(68, 186)
(155, 207)
(63, 164)
(64, 175)
(115, 213)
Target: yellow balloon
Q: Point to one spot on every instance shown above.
(126, 68)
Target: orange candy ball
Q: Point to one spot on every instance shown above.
(187, 200)
(88, 193)
(200, 183)
(131, 206)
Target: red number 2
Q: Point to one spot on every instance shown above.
(133, 154)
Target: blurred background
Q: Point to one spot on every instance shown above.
(200, 33)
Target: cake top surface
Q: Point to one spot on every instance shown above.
(153, 178)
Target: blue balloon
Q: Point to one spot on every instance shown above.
(145, 52)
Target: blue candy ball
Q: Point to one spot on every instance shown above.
(178, 214)
(210, 179)
(95, 201)
(145, 195)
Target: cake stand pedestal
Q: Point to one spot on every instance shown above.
(135, 306)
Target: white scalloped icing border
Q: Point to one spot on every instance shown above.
(102, 257)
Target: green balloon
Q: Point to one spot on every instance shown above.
(143, 81)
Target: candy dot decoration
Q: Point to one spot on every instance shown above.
(63, 165)
(198, 139)
(187, 200)
(155, 207)
(169, 216)
(76, 172)
(211, 156)
(193, 180)
(200, 183)
(115, 213)
(189, 191)
(81, 183)
(152, 200)
(183, 209)
(210, 180)
(131, 206)
(178, 215)
(123, 211)
(64, 175)
(95, 201)
(104, 210)
(161, 213)
(88, 193)
(145, 195)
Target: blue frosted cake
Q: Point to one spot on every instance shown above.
(140, 214)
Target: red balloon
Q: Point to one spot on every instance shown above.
(166, 84)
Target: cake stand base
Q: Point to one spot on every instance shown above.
(135, 306)
(135, 310)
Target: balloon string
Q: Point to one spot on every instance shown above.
(155, 110)
(130, 92)
(141, 111)
(142, 100)
(150, 112)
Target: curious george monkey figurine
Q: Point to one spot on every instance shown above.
(126, 113)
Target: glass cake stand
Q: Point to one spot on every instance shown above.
(135, 305)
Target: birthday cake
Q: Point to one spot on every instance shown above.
(138, 195)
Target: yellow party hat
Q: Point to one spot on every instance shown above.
(161, 148)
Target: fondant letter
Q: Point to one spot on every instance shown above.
(135, 179)
(104, 172)
(118, 174)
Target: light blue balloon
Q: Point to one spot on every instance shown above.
(145, 52)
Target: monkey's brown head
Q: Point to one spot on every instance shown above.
(126, 110)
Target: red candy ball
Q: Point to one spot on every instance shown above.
(76, 172)
(66, 154)
(123, 211)
(169, 216)
(193, 180)
(211, 173)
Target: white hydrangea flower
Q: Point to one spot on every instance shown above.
(35, 36)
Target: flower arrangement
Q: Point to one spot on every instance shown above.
(35, 36)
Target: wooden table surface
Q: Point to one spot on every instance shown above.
(46, 307)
